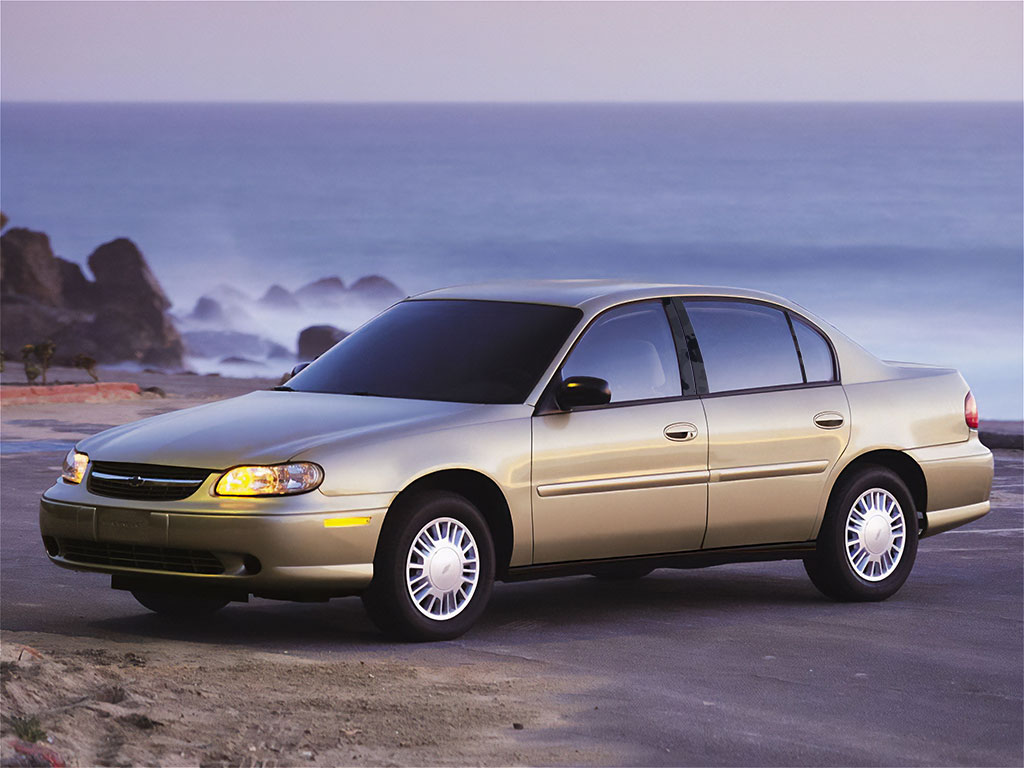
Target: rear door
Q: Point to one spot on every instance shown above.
(778, 419)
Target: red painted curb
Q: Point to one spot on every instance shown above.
(69, 393)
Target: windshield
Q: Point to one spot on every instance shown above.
(452, 350)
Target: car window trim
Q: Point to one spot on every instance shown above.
(546, 404)
(690, 345)
(824, 337)
(704, 390)
(796, 345)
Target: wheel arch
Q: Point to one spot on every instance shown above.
(483, 493)
(908, 470)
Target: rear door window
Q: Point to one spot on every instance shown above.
(814, 351)
(744, 345)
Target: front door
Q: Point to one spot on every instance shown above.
(630, 477)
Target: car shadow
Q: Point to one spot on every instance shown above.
(578, 605)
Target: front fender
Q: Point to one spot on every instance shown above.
(386, 464)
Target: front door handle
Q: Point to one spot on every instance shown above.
(681, 432)
(829, 420)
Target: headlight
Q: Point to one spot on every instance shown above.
(75, 464)
(276, 480)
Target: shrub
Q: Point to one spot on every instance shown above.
(31, 369)
(42, 352)
(87, 364)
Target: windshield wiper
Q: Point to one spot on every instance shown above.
(282, 388)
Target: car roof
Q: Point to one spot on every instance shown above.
(589, 295)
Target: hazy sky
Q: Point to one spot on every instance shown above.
(487, 51)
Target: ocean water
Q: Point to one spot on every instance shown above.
(901, 224)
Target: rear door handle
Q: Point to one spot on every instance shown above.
(681, 432)
(829, 420)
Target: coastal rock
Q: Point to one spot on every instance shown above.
(228, 294)
(28, 267)
(142, 333)
(121, 316)
(123, 277)
(208, 310)
(317, 339)
(327, 290)
(277, 297)
(133, 323)
(376, 287)
(77, 292)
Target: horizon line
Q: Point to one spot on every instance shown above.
(499, 102)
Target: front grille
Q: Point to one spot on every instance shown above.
(138, 556)
(144, 482)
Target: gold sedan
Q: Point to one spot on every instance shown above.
(520, 430)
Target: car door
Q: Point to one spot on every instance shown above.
(778, 419)
(630, 477)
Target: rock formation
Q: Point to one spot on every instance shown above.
(121, 316)
(326, 290)
(317, 339)
(376, 287)
(277, 297)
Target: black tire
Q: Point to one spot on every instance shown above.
(621, 572)
(830, 567)
(388, 600)
(179, 606)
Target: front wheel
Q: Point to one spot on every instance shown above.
(179, 606)
(434, 568)
(868, 539)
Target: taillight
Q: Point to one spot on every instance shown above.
(971, 411)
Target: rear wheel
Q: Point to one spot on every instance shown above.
(868, 539)
(179, 606)
(434, 568)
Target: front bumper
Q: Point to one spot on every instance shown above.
(292, 555)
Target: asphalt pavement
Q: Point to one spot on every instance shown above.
(732, 665)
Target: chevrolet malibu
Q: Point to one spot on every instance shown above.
(522, 430)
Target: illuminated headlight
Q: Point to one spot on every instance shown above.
(277, 480)
(75, 464)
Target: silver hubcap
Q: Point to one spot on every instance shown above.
(875, 534)
(442, 568)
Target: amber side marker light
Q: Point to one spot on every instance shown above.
(971, 411)
(345, 522)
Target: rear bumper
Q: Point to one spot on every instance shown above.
(281, 555)
(947, 519)
(958, 478)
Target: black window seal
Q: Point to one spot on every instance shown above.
(796, 345)
(692, 346)
(687, 377)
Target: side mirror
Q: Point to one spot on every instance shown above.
(577, 391)
(298, 369)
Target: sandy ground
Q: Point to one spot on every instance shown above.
(736, 665)
(173, 703)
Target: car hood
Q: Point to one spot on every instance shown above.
(270, 427)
